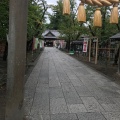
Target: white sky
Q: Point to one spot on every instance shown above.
(51, 2)
(54, 2)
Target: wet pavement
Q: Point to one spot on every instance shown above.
(62, 88)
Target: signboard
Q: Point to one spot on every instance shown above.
(85, 45)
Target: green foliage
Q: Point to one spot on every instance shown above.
(67, 24)
(36, 17)
(56, 18)
(107, 29)
(4, 19)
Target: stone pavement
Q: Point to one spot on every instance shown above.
(62, 88)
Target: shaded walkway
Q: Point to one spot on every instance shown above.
(62, 88)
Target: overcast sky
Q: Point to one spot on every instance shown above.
(54, 2)
(51, 2)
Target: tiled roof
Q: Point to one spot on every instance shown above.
(54, 32)
(117, 36)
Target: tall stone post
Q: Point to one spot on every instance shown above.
(16, 59)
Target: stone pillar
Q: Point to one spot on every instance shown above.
(16, 59)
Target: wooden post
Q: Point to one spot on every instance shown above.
(96, 51)
(16, 59)
(109, 51)
(90, 50)
(94, 48)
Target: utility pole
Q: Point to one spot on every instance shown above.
(16, 59)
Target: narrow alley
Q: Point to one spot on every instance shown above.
(62, 88)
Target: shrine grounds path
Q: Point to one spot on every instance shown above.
(62, 88)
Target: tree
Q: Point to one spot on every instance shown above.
(36, 17)
(107, 29)
(67, 25)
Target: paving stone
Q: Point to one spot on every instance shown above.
(58, 106)
(40, 109)
(92, 87)
(42, 88)
(116, 100)
(54, 83)
(64, 117)
(56, 92)
(31, 84)
(109, 92)
(91, 104)
(59, 69)
(52, 74)
(99, 93)
(67, 87)
(90, 116)
(62, 88)
(77, 82)
(83, 91)
(38, 117)
(44, 73)
(79, 74)
(40, 104)
(76, 108)
(105, 100)
(63, 77)
(41, 97)
(110, 87)
(34, 111)
(43, 80)
(71, 94)
(109, 84)
(83, 71)
(112, 115)
(72, 100)
(33, 75)
(63, 80)
(87, 80)
(72, 75)
(27, 106)
(111, 107)
(118, 91)
(45, 117)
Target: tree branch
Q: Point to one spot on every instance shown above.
(118, 27)
(93, 34)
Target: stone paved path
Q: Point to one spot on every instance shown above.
(62, 88)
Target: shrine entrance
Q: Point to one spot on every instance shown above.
(50, 36)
